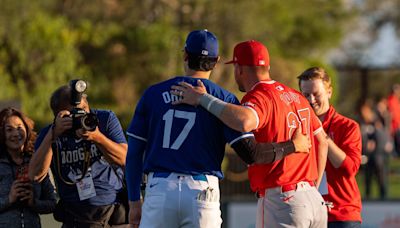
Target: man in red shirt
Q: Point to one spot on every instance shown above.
(288, 196)
(393, 101)
(344, 154)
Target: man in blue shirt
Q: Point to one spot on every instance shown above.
(84, 163)
(181, 148)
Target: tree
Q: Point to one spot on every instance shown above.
(124, 46)
(38, 53)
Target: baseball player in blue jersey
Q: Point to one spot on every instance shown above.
(181, 148)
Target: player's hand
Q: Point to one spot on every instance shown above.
(135, 213)
(187, 93)
(62, 123)
(301, 142)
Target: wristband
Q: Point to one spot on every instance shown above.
(212, 104)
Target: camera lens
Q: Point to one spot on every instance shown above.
(89, 122)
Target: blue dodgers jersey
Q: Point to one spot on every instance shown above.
(182, 138)
(68, 159)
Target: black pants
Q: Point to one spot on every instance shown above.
(396, 140)
(83, 216)
(377, 166)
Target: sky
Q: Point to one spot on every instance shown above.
(363, 46)
(385, 51)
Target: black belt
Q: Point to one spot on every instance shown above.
(197, 177)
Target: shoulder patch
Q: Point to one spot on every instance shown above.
(279, 88)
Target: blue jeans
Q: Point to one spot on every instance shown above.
(344, 224)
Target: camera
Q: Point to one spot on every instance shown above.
(80, 118)
(83, 120)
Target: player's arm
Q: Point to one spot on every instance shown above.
(322, 154)
(237, 117)
(133, 175)
(252, 152)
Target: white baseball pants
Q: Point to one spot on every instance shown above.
(181, 201)
(299, 208)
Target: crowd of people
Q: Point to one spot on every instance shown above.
(302, 155)
(380, 127)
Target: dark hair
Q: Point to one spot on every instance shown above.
(201, 62)
(28, 123)
(314, 73)
(60, 99)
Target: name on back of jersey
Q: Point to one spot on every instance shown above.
(168, 97)
(289, 97)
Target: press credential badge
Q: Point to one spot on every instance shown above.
(86, 187)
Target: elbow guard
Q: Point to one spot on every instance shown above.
(245, 148)
(262, 153)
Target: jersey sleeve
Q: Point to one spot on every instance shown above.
(134, 167)
(138, 127)
(256, 102)
(137, 141)
(351, 145)
(114, 129)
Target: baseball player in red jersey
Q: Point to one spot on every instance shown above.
(287, 188)
(344, 154)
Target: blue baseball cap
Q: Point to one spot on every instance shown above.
(202, 42)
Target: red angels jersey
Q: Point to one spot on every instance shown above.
(280, 110)
(394, 108)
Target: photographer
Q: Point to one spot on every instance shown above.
(85, 149)
(21, 201)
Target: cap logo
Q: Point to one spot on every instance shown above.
(204, 52)
(261, 62)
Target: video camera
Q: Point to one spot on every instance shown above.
(80, 118)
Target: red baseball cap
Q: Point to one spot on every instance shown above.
(250, 53)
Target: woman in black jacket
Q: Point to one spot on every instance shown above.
(21, 201)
